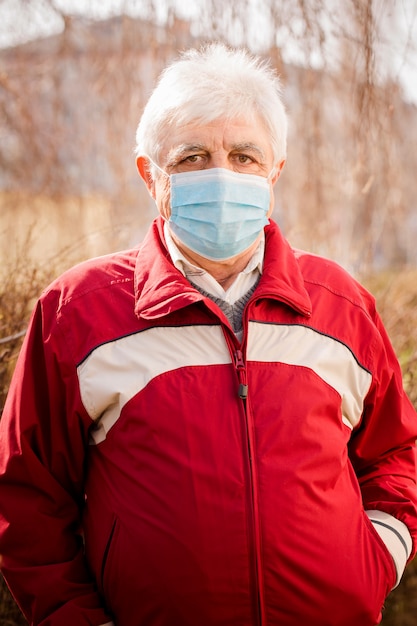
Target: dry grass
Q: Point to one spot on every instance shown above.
(396, 295)
(397, 302)
(10, 615)
(20, 284)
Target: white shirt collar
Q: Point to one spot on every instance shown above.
(242, 283)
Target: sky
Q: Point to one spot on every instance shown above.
(24, 20)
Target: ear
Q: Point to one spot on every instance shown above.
(143, 165)
(277, 171)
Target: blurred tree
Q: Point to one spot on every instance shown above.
(71, 102)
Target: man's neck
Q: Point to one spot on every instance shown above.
(224, 272)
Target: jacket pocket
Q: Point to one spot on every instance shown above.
(109, 547)
(382, 566)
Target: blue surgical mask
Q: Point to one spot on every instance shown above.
(218, 213)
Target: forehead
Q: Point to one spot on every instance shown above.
(225, 134)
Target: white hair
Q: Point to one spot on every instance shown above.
(211, 83)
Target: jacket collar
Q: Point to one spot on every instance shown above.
(282, 279)
(161, 289)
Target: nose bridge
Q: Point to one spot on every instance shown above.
(219, 158)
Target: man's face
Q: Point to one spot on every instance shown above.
(238, 145)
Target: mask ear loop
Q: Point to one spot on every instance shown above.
(157, 167)
(166, 220)
(271, 174)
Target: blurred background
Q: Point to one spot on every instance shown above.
(74, 77)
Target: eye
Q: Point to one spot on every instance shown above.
(190, 162)
(244, 159)
(244, 162)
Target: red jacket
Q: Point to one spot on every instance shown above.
(155, 472)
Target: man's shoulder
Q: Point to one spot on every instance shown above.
(93, 275)
(322, 273)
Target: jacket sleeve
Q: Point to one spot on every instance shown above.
(383, 454)
(43, 438)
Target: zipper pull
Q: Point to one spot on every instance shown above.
(239, 362)
(242, 392)
(241, 370)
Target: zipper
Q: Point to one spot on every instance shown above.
(240, 366)
(239, 363)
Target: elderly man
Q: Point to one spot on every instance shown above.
(210, 429)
